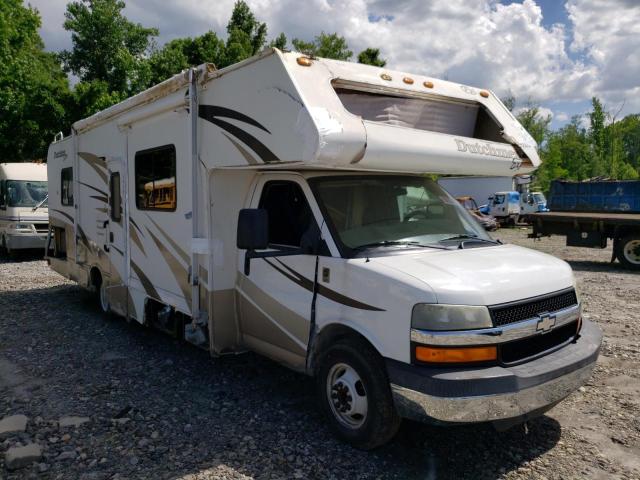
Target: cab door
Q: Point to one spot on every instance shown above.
(115, 241)
(275, 299)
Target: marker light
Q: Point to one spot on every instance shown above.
(484, 93)
(408, 80)
(304, 61)
(456, 355)
(385, 76)
(428, 84)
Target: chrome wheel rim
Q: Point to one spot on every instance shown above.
(104, 302)
(631, 251)
(347, 396)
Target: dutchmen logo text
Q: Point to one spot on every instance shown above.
(546, 323)
(486, 148)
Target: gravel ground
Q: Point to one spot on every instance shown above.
(159, 409)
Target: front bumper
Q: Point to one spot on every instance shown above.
(23, 241)
(494, 394)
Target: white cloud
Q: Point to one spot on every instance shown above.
(480, 42)
(561, 117)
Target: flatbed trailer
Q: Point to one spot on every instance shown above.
(593, 229)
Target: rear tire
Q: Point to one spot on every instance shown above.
(355, 395)
(627, 250)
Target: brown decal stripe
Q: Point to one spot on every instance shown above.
(247, 156)
(95, 162)
(146, 283)
(84, 239)
(101, 192)
(173, 244)
(99, 198)
(211, 114)
(136, 239)
(322, 290)
(179, 272)
(117, 250)
(133, 222)
(64, 214)
(102, 209)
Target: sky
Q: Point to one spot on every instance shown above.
(555, 53)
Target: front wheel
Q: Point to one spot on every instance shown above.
(103, 298)
(355, 395)
(628, 251)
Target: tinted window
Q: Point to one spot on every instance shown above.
(155, 171)
(290, 216)
(115, 202)
(66, 187)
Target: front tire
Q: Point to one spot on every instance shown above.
(103, 299)
(355, 395)
(627, 250)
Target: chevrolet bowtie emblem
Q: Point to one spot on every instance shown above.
(546, 323)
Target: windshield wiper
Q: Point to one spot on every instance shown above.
(388, 243)
(40, 204)
(473, 238)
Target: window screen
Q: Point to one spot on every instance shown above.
(453, 117)
(290, 216)
(66, 187)
(115, 200)
(156, 178)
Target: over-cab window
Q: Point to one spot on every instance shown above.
(421, 112)
(290, 216)
(155, 171)
(66, 186)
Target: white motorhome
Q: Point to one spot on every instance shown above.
(24, 221)
(280, 205)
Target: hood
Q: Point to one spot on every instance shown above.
(484, 275)
(28, 216)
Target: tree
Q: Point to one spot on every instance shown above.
(182, 53)
(246, 35)
(371, 56)
(33, 88)
(325, 46)
(280, 42)
(534, 122)
(106, 45)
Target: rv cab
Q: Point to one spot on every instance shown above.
(24, 219)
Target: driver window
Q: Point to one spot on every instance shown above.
(290, 216)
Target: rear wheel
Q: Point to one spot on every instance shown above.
(355, 394)
(628, 251)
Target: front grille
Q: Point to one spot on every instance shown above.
(41, 227)
(516, 312)
(530, 347)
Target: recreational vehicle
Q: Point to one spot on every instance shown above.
(24, 221)
(280, 205)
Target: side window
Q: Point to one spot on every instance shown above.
(115, 201)
(155, 177)
(290, 216)
(66, 187)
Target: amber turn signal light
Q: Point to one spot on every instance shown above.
(304, 61)
(456, 355)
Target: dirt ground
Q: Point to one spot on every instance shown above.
(155, 408)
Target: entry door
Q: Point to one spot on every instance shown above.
(275, 299)
(116, 236)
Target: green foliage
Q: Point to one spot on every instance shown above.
(33, 88)
(246, 35)
(371, 56)
(280, 42)
(325, 46)
(534, 122)
(106, 45)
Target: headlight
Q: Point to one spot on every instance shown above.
(433, 316)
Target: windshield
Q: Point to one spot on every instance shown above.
(539, 198)
(366, 210)
(25, 193)
(498, 200)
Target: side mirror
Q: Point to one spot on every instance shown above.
(252, 234)
(253, 229)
